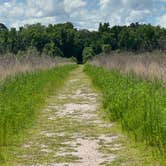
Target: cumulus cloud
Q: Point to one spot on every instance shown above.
(82, 12)
(43, 20)
(161, 20)
(44, 8)
(138, 5)
(11, 9)
(104, 3)
(110, 5)
(71, 5)
(137, 16)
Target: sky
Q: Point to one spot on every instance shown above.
(84, 14)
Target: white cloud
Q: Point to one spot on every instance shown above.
(104, 3)
(161, 20)
(43, 20)
(128, 11)
(16, 12)
(9, 10)
(137, 16)
(71, 5)
(86, 19)
(45, 8)
(7, 5)
(110, 5)
(138, 5)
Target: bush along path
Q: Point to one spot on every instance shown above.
(70, 131)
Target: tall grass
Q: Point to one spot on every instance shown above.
(138, 104)
(147, 65)
(22, 96)
(28, 61)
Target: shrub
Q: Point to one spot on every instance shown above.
(31, 51)
(51, 50)
(87, 54)
(106, 48)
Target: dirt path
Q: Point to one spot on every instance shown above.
(70, 130)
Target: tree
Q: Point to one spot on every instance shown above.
(51, 50)
(104, 27)
(12, 42)
(3, 40)
(65, 40)
(3, 27)
(162, 42)
(88, 53)
(106, 48)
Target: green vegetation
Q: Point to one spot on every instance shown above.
(139, 105)
(65, 40)
(87, 54)
(21, 97)
(51, 50)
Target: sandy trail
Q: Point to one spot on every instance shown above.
(70, 131)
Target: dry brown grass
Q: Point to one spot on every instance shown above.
(11, 65)
(148, 65)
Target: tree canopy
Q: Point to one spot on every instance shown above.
(67, 41)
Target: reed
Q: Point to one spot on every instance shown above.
(147, 65)
(11, 64)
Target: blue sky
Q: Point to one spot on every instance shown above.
(82, 13)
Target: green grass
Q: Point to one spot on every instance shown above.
(21, 98)
(139, 105)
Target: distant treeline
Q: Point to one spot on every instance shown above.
(67, 41)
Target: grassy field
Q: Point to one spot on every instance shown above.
(31, 61)
(138, 104)
(21, 98)
(149, 65)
